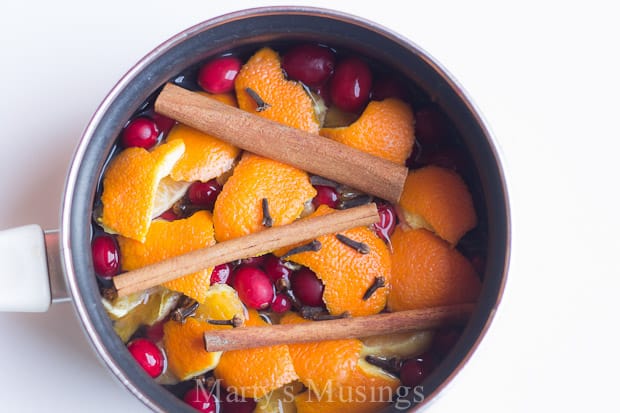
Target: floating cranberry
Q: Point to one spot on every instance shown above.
(202, 400)
(307, 287)
(221, 274)
(431, 125)
(309, 63)
(169, 215)
(233, 403)
(449, 157)
(254, 261)
(164, 123)
(204, 193)
(218, 75)
(415, 370)
(324, 92)
(281, 303)
(105, 256)
(388, 87)
(253, 286)
(387, 221)
(141, 132)
(350, 85)
(274, 267)
(325, 195)
(148, 356)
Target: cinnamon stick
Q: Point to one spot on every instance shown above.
(310, 152)
(244, 247)
(352, 327)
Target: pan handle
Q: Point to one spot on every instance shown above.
(31, 275)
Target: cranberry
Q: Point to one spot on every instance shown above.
(202, 400)
(309, 63)
(253, 286)
(148, 355)
(169, 215)
(254, 261)
(281, 303)
(232, 403)
(204, 193)
(307, 287)
(325, 195)
(274, 267)
(350, 85)
(221, 274)
(164, 124)
(448, 157)
(415, 370)
(388, 87)
(218, 75)
(105, 256)
(324, 92)
(155, 332)
(387, 221)
(430, 125)
(141, 132)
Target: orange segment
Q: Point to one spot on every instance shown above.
(346, 273)
(129, 186)
(288, 101)
(205, 157)
(337, 377)
(238, 209)
(384, 129)
(438, 199)
(427, 272)
(166, 239)
(185, 348)
(255, 372)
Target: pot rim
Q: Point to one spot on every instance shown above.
(82, 307)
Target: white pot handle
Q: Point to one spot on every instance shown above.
(31, 275)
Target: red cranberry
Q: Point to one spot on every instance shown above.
(448, 157)
(309, 63)
(254, 261)
(307, 287)
(164, 124)
(148, 355)
(202, 400)
(415, 370)
(105, 256)
(350, 85)
(169, 215)
(324, 92)
(155, 332)
(281, 303)
(387, 221)
(204, 193)
(325, 195)
(388, 87)
(430, 125)
(218, 75)
(232, 403)
(221, 274)
(141, 132)
(274, 267)
(253, 286)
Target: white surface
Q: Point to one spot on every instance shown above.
(545, 74)
(24, 269)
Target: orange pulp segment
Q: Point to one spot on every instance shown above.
(167, 239)
(384, 129)
(130, 184)
(428, 272)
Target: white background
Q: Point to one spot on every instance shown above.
(545, 76)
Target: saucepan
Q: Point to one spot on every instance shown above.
(58, 264)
